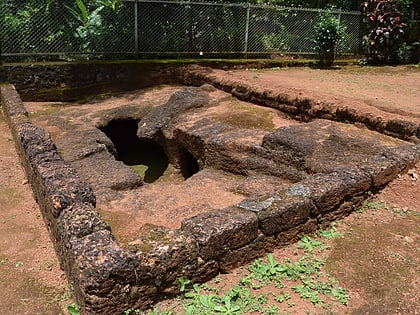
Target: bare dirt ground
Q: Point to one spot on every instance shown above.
(390, 89)
(377, 260)
(31, 279)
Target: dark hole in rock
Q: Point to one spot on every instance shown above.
(188, 164)
(145, 157)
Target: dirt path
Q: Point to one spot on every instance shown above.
(391, 89)
(31, 280)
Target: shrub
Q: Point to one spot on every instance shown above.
(385, 31)
(328, 34)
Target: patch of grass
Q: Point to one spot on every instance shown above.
(376, 205)
(370, 205)
(308, 244)
(19, 264)
(404, 212)
(73, 309)
(47, 110)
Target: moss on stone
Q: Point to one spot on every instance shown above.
(244, 116)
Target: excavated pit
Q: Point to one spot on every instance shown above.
(146, 158)
(198, 150)
(232, 181)
(165, 163)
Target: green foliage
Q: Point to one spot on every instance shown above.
(276, 41)
(93, 31)
(73, 309)
(407, 53)
(320, 4)
(331, 233)
(385, 31)
(236, 301)
(308, 244)
(280, 39)
(83, 14)
(329, 33)
(369, 205)
(183, 283)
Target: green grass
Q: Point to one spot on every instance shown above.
(377, 205)
(371, 205)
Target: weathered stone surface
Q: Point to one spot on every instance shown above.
(293, 235)
(63, 187)
(381, 170)
(35, 140)
(161, 116)
(194, 138)
(219, 231)
(343, 210)
(97, 167)
(124, 112)
(15, 113)
(53, 178)
(73, 80)
(241, 256)
(84, 143)
(261, 162)
(356, 180)
(101, 268)
(284, 213)
(325, 190)
(300, 108)
(385, 166)
(406, 155)
(220, 146)
(397, 127)
(79, 220)
(169, 254)
(322, 146)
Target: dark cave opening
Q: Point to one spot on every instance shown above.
(145, 157)
(188, 164)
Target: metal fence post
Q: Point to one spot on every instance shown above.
(246, 29)
(339, 24)
(136, 29)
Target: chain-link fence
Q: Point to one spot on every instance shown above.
(140, 28)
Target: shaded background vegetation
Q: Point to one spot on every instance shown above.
(94, 27)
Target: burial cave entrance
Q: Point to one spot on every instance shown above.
(188, 164)
(147, 158)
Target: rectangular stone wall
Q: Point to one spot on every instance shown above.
(70, 81)
(109, 279)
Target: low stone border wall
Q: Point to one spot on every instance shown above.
(70, 81)
(298, 107)
(109, 279)
(67, 81)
